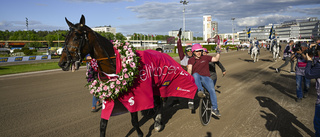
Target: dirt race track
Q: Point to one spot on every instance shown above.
(253, 100)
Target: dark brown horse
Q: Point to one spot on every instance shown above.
(81, 41)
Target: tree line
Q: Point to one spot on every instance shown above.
(50, 36)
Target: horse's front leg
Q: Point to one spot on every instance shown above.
(103, 127)
(135, 123)
(158, 119)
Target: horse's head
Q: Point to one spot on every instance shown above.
(82, 41)
(76, 45)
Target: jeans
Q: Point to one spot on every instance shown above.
(287, 60)
(306, 82)
(207, 82)
(94, 101)
(215, 81)
(316, 120)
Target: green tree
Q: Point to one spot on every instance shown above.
(49, 39)
(119, 36)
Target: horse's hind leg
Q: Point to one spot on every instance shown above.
(103, 127)
(135, 123)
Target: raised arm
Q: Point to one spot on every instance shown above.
(180, 50)
(179, 46)
(217, 57)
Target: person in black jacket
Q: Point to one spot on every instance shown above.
(212, 68)
(312, 71)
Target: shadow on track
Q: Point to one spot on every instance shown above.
(168, 112)
(281, 88)
(281, 119)
(266, 60)
(246, 60)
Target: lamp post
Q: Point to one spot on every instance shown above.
(232, 30)
(27, 24)
(184, 2)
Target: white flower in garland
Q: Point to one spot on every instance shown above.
(112, 88)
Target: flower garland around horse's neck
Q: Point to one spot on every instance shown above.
(113, 87)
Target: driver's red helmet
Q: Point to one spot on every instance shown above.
(196, 47)
(205, 50)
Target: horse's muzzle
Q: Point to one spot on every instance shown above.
(64, 65)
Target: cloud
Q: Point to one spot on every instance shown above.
(157, 10)
(151, 27)
(219, 9)
(308, 11)
(246, 12)
(264, 20)
(32, 25)
(159, 17)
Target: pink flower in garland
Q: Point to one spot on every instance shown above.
(124, 82)
(112, 85)
(115, 85)
(118, 82)
(109, 94)
(105, 88)
(126, 75)
(94, 82)
(132, 64)
(91, 91)
(117, 90)
(102, 84)
(125, 70)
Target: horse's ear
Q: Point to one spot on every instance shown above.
(82, 21)
(69, 23)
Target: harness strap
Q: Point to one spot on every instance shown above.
(88, 60)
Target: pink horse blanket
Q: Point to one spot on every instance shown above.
(159, 75)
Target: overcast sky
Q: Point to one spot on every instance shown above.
(152, 16)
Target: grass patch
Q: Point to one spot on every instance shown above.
(173, 54)
(4, 70)
(28, 68)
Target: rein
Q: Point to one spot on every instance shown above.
(88, 60)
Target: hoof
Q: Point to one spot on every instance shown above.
(140, 135)
(157, 123)
(157, 126)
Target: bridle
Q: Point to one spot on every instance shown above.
(83, 41)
